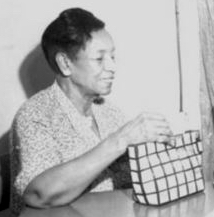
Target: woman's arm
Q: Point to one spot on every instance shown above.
(62, 184)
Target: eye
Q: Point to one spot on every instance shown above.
(100, 59)
(113, 58)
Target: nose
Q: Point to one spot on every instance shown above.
(109, 64)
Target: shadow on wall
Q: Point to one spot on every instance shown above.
(34, 73)
(4, 143)
(4, 172)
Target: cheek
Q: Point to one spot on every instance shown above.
(94, 73)
(89, 73)
(82, 74)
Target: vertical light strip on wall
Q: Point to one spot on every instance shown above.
(181, 109)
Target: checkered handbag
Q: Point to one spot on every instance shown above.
(163, 173)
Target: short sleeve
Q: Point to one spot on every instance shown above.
(33, 152)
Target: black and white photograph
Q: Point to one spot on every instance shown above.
(107, 108)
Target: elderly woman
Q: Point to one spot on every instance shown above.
(66, 139)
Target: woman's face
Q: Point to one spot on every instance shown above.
(93, 71)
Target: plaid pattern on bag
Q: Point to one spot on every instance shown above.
(163, 173)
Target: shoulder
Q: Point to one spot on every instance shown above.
(37, 108)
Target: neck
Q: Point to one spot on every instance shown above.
(82, 102)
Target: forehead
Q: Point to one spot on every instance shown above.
(101, 42)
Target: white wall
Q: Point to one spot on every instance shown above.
(145, 36)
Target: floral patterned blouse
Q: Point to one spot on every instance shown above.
(48, 130)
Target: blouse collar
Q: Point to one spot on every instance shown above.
(81, 123)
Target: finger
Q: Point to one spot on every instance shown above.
(155, 122)
(148, 117)
(164, 131)
(156, 126)
(163, 139)
(153, 116)
(151, 119)
(159, 126)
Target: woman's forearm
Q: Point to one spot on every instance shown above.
(62, 184)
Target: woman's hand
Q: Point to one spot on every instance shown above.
(146, 127)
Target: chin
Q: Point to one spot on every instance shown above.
(103, 90)
(106, 92)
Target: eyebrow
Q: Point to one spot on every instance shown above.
(103, 50)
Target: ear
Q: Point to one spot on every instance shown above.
(63, 63)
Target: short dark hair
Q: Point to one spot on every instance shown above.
(69, 33)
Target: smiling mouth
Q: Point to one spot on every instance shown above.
(108, 79)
